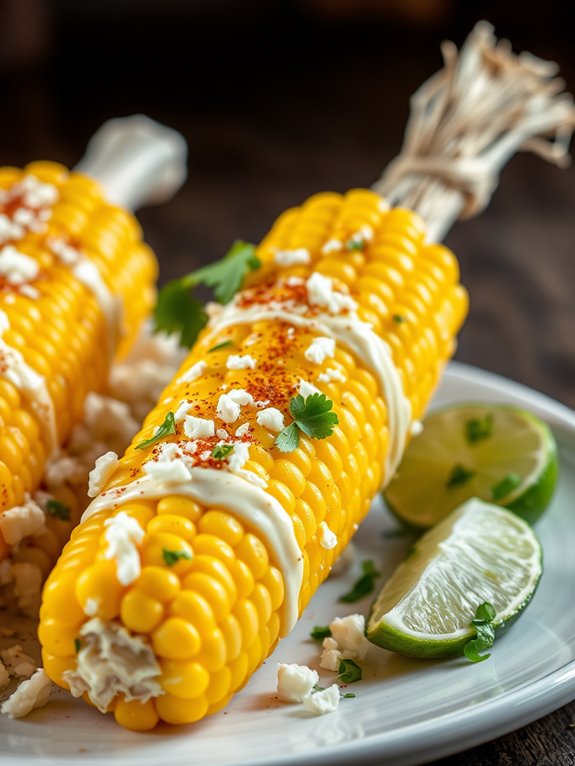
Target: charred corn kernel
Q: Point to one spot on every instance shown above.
(222, 609)
(185, 680)
(136, 715)
(158, 583)
(140, 612)
(98, 591)
(57, 320)
(176, 639)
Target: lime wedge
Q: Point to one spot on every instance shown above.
(498, 453)
(479, 553)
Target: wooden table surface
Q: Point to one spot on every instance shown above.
(264, 136)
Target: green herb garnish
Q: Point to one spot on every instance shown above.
(399, 318)
(349, 672)
(355, 243)
(177, 311)
(77, 645)
(168, 428)
(219, 346)
(459, 475)
(485, 633)
(477, 429)
(348, 696)
(312, 416)
(172, 557)
(505, 486)
(221, 451)
(364, 585)
(57, 510)
(320, 632)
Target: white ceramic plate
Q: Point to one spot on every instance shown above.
(405, 711)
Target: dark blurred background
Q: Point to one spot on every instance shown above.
(279, 100)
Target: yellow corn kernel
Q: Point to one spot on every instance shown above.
(98, 591)
(195, 608)
(253, 553)
(176, 639)
(222, 526)
(175, 525)
(180, 506)
(185, 680)
(140, 612)
(212, 590)
(135, 715)
(158, 547)
(174, 710)
(158, 583)
(58, 638)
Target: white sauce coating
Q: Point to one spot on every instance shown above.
(358, 337)
(249, 503)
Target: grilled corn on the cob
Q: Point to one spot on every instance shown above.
(207, 544)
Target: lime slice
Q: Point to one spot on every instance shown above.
(495, 452)
(479, 553)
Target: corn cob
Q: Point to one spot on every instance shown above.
(83, 286)
(211, 607)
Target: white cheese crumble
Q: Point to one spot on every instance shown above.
(170, 472)
(239, 362)
(347, 641)
(9, 230)
(221, 433)
(295, 682)
(327, 538)
(123, 535)
(326, 701)
(17, 662)
(4, 322)
(332, 246)
(16, 267)
(30, 694)
(21, 521)
(181, 411)
(104, 467)
(365, 234)
(330, 374)
(320, 349)
(196, 371)
(242, 430)
(320, 292)
(307, 389)
(198, 428)
(228, 408)
(271, 418)
(91, 606)
(416, 428)
(292, 257)
(112, 662)
(36, 193)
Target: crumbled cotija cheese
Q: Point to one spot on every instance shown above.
(292, 257)
(196, 371)
(229, 404)
(326, 701)
(198, 428)
(307, 389)
(320, 293)
(21, 521)
(271, 418)
(320, 349)
(123, 535)
(99, 475)
(16, 267)
(239, 362)
(295, 682)
(330, 374)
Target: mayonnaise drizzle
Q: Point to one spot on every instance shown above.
(359, 338)
(254, 506)
(31, 384)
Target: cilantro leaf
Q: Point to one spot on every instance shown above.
(364, 585)
(312, 416)
(178, 312)
(348, 696)
(172, 557)
(349, 672)
(77, 645)
(320, 632)
(477, 429)
(168, 428)
(288, 439)
(221, 451)
(57, 510)
(459, 475)
(505, 486)
(399, 318)
(218, 346)
(484, 633)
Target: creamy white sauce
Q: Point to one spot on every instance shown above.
(249, 503)
(33, 387)
(358, 337)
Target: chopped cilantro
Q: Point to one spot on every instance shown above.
(221, 451)
(364, 585)
(311, 415)
(348, 696)
(219, 346)
(459, 475)
(399, 318)
(172, 557)
(349, 672)
(77, 645)
(57, 510)
(355, 243)
(485, 633)
(177, 311)
(505, 486)
(168, 428)
(320, 632)
(477, 429)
